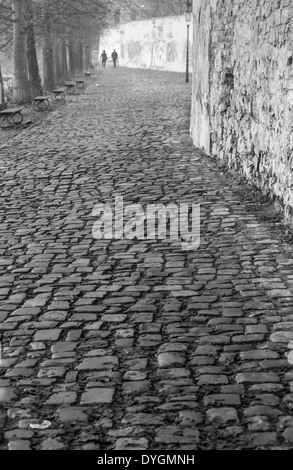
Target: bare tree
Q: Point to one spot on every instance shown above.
(32, 61)
(21, 89)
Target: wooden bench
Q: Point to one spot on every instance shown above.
(69, 87)
(12, 116)
(58, 95)
(41, 103)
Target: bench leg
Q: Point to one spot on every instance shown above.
(58, 97)
(70, 91)
(39, 106)
(10, 120)
(17, 118)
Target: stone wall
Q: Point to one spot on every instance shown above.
(143, 44)
(244, 98)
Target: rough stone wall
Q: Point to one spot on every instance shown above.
(142, 44)
(250, 100)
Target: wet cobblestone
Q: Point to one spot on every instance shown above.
(137, 344)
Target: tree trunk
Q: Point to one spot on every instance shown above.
(48, 57)
(75, 63)
(71, 60)
(80, 57)
(32, 61)
(65, 74)
(2, 96)
(21, 89)
(87, 57)
(59, 78)
(91, 55)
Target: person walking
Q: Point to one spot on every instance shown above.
(104, 58)
(114, 57)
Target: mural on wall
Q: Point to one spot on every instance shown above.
(158, 44)
(159, 55)
(122, 51)
(146, 56)
(171, 54)
(134, 50)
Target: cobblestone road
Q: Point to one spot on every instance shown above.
(137, 344)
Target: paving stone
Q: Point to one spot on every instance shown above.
(83, 317)
(264, 439)
(175, 435)
(63, 347)
(98, 396)
(233, 389)
(131, 444)
(212, 380)
(137, 364)
(220, 416)
(47, 335)
(114, 318)
(190, 418)
(119, 300)
(261, 410)
(259, 423)
(267, 388)
(143, 419)
(222, 399)
(248, 338)
(168, 360)
(52, 444)
(52, 372)
(19, 445)
(72, 415)
(288, 435)
(174, 373)
(285, 422)
(141, 318)
(135, 388)
(257, 377)
(62, 398)
(282, 337)
(256, 355)
(201, 361)
(134, 376)
(20, 372)
(18, 434)
(232, 312)
(101, 363)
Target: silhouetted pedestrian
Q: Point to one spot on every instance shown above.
(104, 58)
(114, 57)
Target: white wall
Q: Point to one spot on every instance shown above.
(200, 119)
(141, 44)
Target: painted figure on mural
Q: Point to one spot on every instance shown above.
(104, 58)
(114, 57)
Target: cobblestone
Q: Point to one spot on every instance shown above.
(219, 416)
(137, 344)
